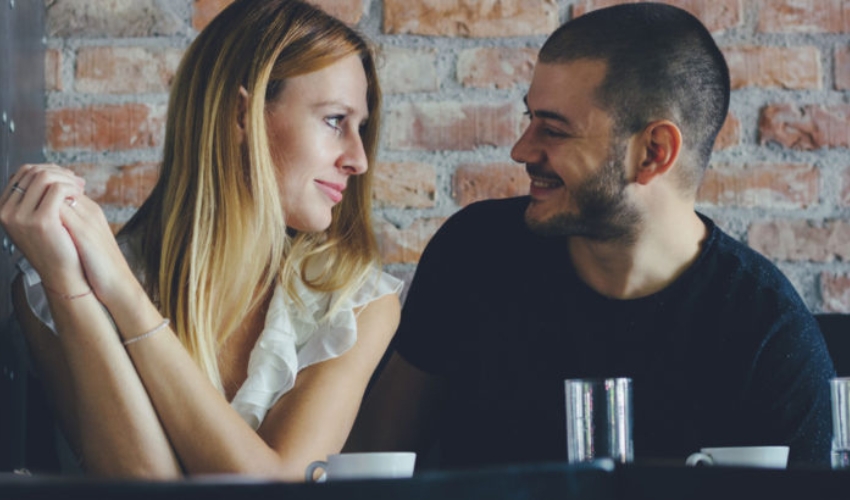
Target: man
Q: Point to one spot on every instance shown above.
(605, 270)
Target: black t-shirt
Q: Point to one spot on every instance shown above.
(726, 355)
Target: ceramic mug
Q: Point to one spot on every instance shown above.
(771, 457)
(373, 465)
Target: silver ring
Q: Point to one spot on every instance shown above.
(72, 202)
(19, 189)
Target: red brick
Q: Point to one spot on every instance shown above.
(404, 185)
(761, 185)
(835, 291)
(204, 11)
(408, 70)
(348, 11)
(805, 128)
(842, 68)
(125, 186)
(111, 18)
(106, 127)
(502, 68)
(804, 16)
(471, 19)
(125, 70)
(405, 246)
(456, 126)
(53, 70)
(811, 241)
(844, 196)
(794, 68)
(474, 182)
(717, 15)
(730, 134)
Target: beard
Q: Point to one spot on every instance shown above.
(603, 212)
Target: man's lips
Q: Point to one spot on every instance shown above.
(331, 189)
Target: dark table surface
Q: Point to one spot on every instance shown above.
(648, 480)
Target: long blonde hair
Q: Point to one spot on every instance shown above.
(214, 236)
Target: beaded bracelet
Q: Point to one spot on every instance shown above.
(147, 334)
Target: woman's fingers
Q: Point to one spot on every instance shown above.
(30, 211)
(36, 181)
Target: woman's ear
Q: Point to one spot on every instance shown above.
(241, 112)
(660, 145)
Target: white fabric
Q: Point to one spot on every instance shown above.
(293, 337)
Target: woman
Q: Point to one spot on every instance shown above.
(234, 325)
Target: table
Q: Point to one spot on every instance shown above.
(527, 482)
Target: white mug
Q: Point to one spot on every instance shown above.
(373, 465)
(770, 457)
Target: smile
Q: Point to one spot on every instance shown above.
(332, 190)
(546, 183)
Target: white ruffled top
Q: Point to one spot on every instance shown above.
(294, 337)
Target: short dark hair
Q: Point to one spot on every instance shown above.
(662, 63)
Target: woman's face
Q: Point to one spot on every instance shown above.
(314, 131)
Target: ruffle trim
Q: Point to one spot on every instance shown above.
(295, 337)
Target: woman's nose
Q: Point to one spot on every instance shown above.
(354, 160)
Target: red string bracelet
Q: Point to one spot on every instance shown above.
(65, 295)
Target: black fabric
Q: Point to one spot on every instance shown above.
(836, 331)
(726, 355)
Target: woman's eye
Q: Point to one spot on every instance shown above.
(335, 122)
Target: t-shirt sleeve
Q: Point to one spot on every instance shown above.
(790, 387)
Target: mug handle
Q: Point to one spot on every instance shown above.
(699, 458)
(311, 469)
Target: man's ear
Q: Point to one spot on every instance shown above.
(242, 112)
(659, 148)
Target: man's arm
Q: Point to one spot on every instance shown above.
(400, 413)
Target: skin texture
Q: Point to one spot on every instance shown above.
(577, 174)
(314, 129)
(147, 410)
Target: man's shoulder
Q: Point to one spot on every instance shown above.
(746, 279)
(737, 256)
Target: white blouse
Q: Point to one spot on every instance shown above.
(293, 338)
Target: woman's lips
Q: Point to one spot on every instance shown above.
(332, 190)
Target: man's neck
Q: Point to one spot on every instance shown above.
(664, 248)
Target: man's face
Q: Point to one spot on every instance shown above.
(574, 161)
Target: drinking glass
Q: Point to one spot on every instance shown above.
(599, 419)
(840, 396)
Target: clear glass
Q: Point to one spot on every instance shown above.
(840, 395)
(599, 419)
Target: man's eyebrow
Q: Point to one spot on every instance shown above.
(548, 115)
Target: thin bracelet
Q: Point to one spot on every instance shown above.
(147, 334)
(65, 295)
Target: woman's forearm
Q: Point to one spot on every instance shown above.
(118, 431)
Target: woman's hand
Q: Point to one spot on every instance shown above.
(104, 264)
(31, 211)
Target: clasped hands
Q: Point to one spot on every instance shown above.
(62, 232)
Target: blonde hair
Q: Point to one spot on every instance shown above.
(214, 236)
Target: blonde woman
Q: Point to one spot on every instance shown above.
(234, 324)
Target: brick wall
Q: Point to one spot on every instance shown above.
(454, 73)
